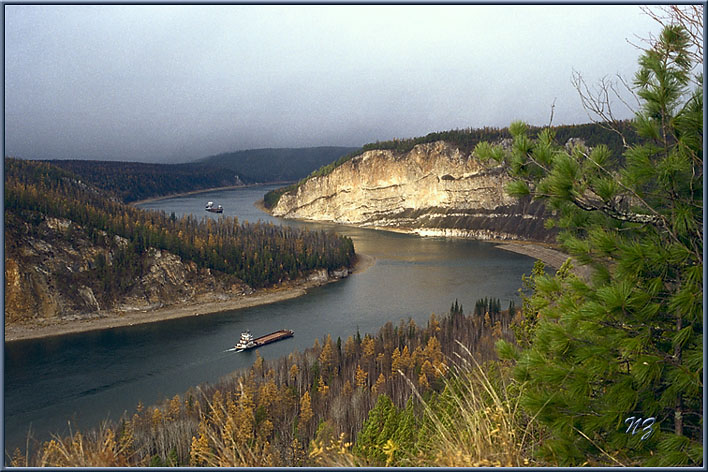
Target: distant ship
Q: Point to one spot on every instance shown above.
(248, 342)
(214, 209)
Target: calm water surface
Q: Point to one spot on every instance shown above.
(86, 378)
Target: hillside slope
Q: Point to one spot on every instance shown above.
(276, 165)
(132, 181)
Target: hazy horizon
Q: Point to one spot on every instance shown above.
(166, 83)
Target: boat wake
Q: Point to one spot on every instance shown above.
(230, 350)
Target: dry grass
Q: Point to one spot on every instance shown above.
(478, 424)
(476, 421)
(227, 436)
(100, 449)
(335, 454)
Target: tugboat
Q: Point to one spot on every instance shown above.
(247, 341)
(214, 209)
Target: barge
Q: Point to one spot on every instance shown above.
(247, 340)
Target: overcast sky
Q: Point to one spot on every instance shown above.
(174, 83)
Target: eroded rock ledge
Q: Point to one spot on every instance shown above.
(433, 190)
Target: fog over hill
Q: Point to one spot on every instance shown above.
(277, 165)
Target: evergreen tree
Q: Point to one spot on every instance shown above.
(404, 436)
(615, 364)
(377, 430)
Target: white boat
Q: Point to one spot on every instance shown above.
(214, 209)
(246, 342)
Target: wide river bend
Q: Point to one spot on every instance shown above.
(88, 377)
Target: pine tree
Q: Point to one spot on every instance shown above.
(378, 428)
(404, 436)
(628, 342)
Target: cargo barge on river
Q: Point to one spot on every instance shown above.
(247, 340)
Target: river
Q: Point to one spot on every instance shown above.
(86, 378)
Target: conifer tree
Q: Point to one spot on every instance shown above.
(626, 344)
(379, 427)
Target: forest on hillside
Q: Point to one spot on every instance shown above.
(278, 164)
(133, 181)
(257, 254)
(466, 139)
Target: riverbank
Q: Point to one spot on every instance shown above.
(550, 256)
(112, 319)
(548, 253)
(196, 192)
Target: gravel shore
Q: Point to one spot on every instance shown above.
(550, 256)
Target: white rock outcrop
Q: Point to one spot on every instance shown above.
(435, 189)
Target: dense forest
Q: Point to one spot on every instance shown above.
(133, 181)
(592, 134)
(276, 165)
(257, 254)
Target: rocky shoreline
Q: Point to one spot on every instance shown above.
(550, 256)
(205, 190)
(544, 251)
(115, 319)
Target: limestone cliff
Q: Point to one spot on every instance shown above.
(435, 189)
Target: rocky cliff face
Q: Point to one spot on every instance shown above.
(432, 190)
(48, 277)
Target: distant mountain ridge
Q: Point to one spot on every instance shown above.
(133, 181)
(276, 164)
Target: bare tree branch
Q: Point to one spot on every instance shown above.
(688, 16)
(597, 103)
(628, 88)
